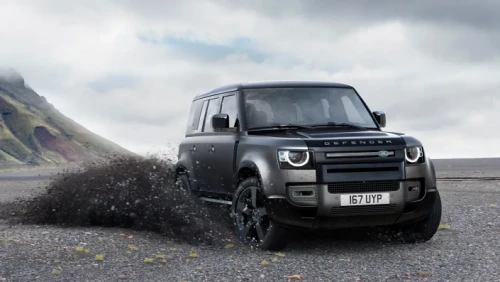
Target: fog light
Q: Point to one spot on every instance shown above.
(414, 189)
(303, 195)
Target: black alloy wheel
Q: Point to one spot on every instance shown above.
(253, 224)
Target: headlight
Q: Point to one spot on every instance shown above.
(414, 154)
(295, 159)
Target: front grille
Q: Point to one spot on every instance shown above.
(356, 210)
(363, 186)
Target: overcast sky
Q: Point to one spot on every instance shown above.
(127, 70)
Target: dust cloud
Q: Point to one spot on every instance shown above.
(129, 192)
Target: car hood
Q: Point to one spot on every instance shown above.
(339, 137)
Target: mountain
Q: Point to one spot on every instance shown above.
(33, 132)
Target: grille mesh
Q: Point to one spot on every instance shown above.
(363, 186)
(356, 210)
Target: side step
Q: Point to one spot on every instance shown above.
(224, 202)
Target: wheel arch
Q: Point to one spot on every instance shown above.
(245, 170)
(180, 169)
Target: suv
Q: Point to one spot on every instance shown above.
(307, 155)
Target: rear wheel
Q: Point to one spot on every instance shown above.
(183, 190)
(253, 224)
(183, 180)
(425, 229)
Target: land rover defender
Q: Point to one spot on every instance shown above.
(308, 155)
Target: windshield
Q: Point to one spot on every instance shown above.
(269, 107)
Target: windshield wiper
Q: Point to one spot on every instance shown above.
(281, 126)
(342, 124)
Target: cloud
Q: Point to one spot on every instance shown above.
(10, 75)
(205, 52)
(128, 70)
(467, 12)
(113, 81)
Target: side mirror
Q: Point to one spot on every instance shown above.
(220, 121)
(380, 117)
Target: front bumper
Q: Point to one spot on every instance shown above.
(311, 198)
(325, 211)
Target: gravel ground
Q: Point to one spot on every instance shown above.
(468, 250)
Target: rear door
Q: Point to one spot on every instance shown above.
(195, 145)
(201, 148)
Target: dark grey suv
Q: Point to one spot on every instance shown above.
(307, 155)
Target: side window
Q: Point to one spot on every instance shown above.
(212, 109)
(351, 111)
(229, 107)
(198, 107)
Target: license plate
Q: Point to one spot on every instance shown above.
(364, 199)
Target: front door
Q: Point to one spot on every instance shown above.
(217, 156)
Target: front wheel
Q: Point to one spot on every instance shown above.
(253, 224)
(425, 229)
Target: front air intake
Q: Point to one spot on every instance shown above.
(363, 186)
(361, 210)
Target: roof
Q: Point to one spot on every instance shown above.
(270, 84)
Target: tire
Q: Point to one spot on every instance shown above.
(183, 180)
(424, 230)
(252, 222)
(183, 190)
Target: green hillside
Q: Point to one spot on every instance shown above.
(33, 132)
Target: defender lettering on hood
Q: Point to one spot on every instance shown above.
(355, 142)
(360, 142)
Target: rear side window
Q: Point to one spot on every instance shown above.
(229, 108)
(212, 109)
(198, 106)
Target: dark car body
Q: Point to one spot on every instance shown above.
(220, 150)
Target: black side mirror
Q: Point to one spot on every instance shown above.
(220, 121)
(380, 117)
